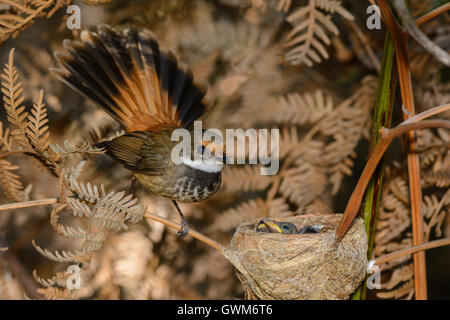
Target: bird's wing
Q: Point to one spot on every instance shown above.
(141, 152)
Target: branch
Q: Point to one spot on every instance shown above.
(413, 249)
(432, 14)
(418, 35)
(197, 235)
(400, 39)
(27, 204)
(170, 224)
(387, 135)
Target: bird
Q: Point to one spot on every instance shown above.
(151, 94)
(271, 226)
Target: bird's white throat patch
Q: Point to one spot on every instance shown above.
(206, 165)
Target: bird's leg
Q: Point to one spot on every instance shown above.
(133, 185)
(184, 230)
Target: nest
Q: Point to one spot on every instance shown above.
(300, 266)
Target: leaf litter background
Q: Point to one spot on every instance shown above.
(301, 66)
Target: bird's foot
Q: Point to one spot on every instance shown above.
(184, 230)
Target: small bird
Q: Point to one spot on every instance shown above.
(150, 94)
(271, 226)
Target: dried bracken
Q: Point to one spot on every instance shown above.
(16, 15)
(306, 68)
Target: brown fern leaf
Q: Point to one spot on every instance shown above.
(405, 290)
(10, 182)
(303, 184)
(306, 41)
(22, 14)
(59, 279)
(37, 130)
(12, 98)
(104, 212)
(249, 210)
(38, 137)
(5, 139)
(247, 178)
(53, 293)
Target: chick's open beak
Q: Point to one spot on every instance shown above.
(267, 225)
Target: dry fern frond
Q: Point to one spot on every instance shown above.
(38, 136)
(249, 210)
(12, 98)
(316, 148)
(59, 279)
(245, 179)
(52, 293)
(67, 149)
(406, 291)
(306, 41)
(22, 14)
(104, 212)
(394, 225)
(37, 128)
(32, 130)
(5, 139)
(10, 182)
(63, 256)
(294, 188)
(435, 158)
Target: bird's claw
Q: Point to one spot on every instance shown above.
(184, 230)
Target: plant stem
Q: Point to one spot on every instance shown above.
(387, 135)
(382, 118)
(27, 204)
(197, 235)
(400, 43)
(413, 249)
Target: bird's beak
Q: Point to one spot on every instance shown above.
(267, 225)
(222, 159)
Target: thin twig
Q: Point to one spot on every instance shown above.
(197, 235)
(27, 204)
(432, 14)
(411, 250)
(365, 43)
(171, 224)
(418, 35)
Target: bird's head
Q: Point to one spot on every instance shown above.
(207, 157)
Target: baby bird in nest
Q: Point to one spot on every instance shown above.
(150, 94)
(271, 226)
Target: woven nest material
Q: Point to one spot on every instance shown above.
(300, 266)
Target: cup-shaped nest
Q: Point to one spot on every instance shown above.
(300, 266)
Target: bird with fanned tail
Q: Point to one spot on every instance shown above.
(151, 95)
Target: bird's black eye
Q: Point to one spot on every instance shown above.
(286, 228)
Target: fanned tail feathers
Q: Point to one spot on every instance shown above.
(131, 78)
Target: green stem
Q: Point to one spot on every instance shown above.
(382, 118)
